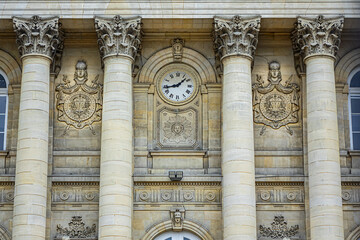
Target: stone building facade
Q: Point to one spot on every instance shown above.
(167, 120)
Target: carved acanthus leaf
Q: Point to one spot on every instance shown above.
(76, 230)
(37, 35)
(317, 36)
(119, 36)
(279, 229)
(236, 36)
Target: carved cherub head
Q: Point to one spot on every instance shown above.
(81, 71)
(274, 72)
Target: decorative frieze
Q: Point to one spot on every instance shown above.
(280, 194)
(279, 229)
(80, 104)
(350, 192)
(37, 35)
(119, 36)
(317, 36)
(75, 193)
(236, 36)
(76, 230)
(274, 104)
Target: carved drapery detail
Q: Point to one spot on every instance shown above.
(76, 230)
(317, 36)
(79, 105)
(275, 104)
(37, 35)
(177, 47)
(279, 229)
(119, 36)
(237, 36)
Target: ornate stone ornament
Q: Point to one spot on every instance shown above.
(79, 105)
(177, 128)
(118, 36)
(279, 229)
(265, 195)
(236, 36)
(177, 46)
(291, 196)
(275, 105)
(177, 216)
(37, 35)
(346, 195)
(318, 36)
(76, 230)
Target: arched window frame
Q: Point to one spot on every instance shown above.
(4, 92)
(177, 235)
(353, 93)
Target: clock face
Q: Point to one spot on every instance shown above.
(177, 86)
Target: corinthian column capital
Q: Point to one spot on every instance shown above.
(236, 36)
(37, 36)
(317, 36)
(118, 36)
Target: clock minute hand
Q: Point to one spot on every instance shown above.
(171, 86)
(178, 85)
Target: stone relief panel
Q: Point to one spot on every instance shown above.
(280, 193)
(76, 230)
(85, 193)
(7, 193)
(195, 193)
(279, 229)
(350, 192)
(177, 128)
(79, 104)
(275, 104)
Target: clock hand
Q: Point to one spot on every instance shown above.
(175, 85)
(178, 85)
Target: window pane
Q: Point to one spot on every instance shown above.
(356, 141)
(1, 141)
(355, 121)
(186, 238)
(355, 105)
(2, 104)
(355, 81)
(2, 82)
(168, 238)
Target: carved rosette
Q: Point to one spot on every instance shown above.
(79, 105)
(317, 36)
(236, 36)
(38, 36)
(119, 36)
(274, 104)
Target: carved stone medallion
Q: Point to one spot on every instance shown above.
(275, 105)
(79, 105)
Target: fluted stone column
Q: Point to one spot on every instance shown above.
(38, 40)
(319, 40)
(236, 41)
(119, 41)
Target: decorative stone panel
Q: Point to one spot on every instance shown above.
(279, 229)
(76, 230)
(75, 192)
(6, 192)
(350, 192)
(284, 193)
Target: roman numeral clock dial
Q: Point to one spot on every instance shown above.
(177, 86)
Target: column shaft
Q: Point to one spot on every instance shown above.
(238, 168)
(29, 220)
(115, 206)
(326, 216)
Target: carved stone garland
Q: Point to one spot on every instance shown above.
(279, 229)
(76, 230)
(37, 35)
(119, 36)
(275, 105)
(79, 105)
(236, 36)
(317, 36)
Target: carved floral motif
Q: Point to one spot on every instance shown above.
(37, 35)
(317, 36)
(279, 229)
(236, 36)
(274, 104)
(118, 36)
(76, 229)
(80, 104)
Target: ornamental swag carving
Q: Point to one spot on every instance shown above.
(275, 105)
(79, 105)
(76, 230)
(236, 36)
(318, 36)
(279, 229)
(119, 36)
(37, 35)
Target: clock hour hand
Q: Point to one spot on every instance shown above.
(175, 85)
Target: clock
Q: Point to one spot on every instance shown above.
(177, 84)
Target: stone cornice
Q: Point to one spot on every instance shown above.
(236, 36)
(37, 36)
(317, 36)
(118, 36)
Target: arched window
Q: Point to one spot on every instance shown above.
(354, 107)
(177, 236)
(3, 108)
